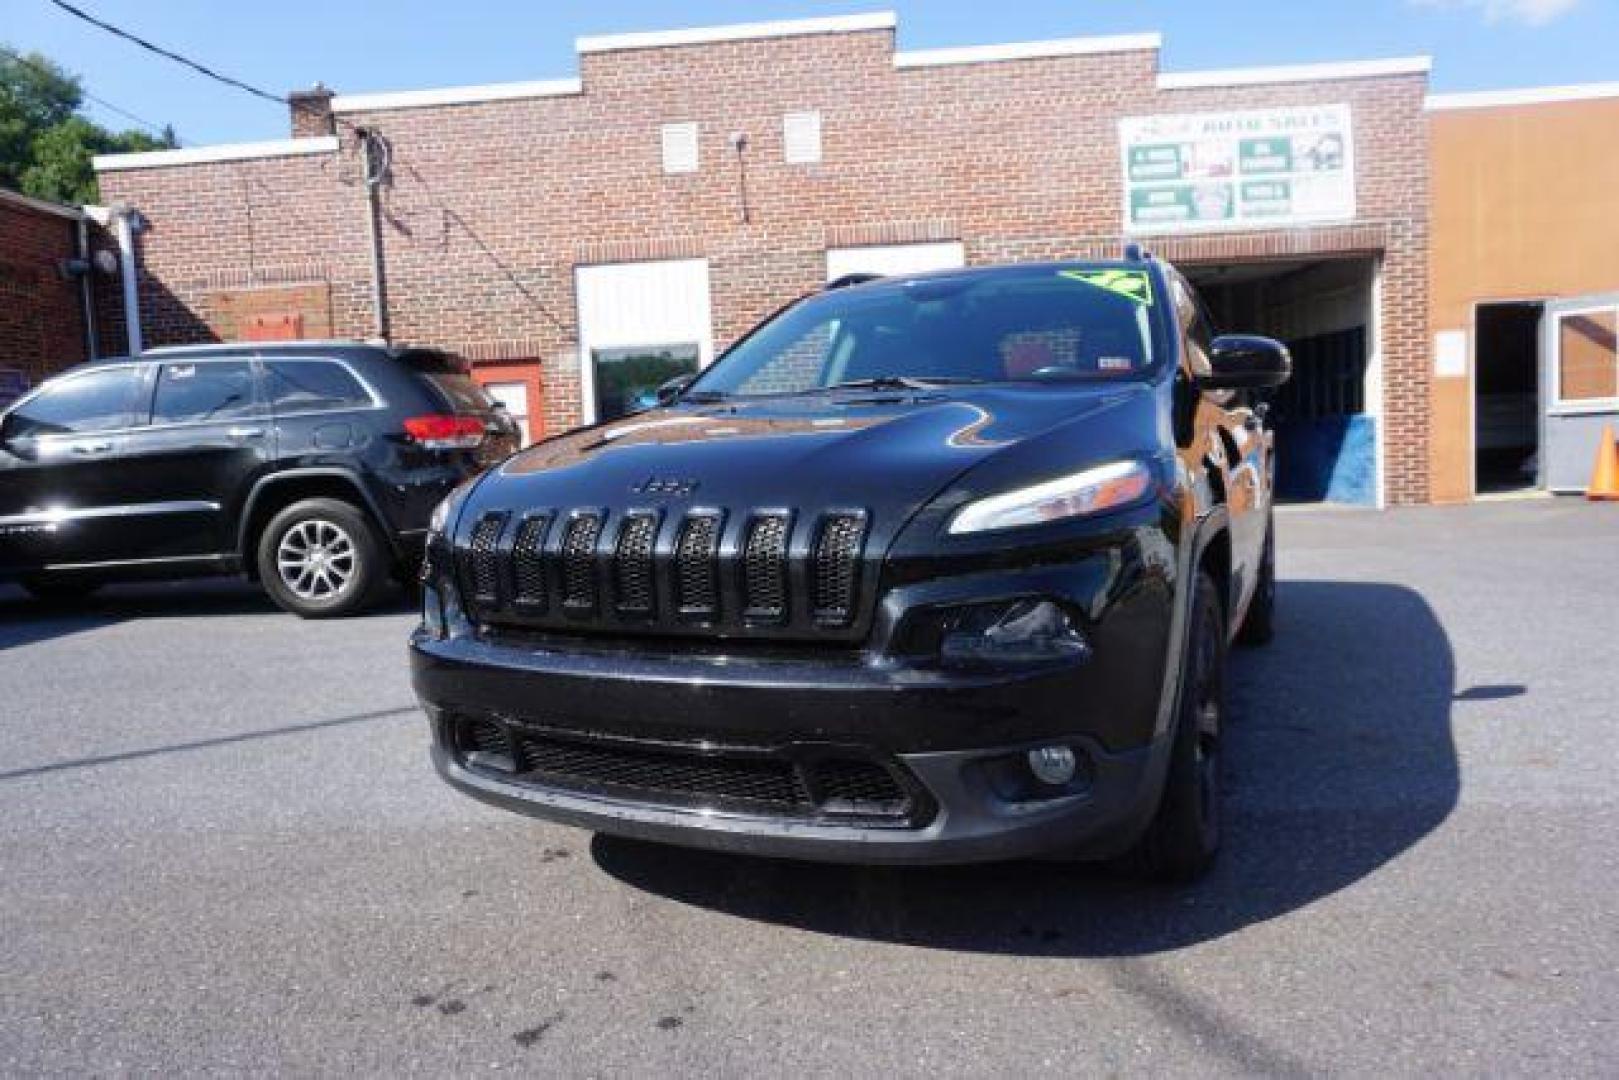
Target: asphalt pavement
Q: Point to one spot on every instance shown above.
(222, 849)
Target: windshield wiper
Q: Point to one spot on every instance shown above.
(901, 382)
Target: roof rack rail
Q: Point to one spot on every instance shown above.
(238, 346)
(851, 279)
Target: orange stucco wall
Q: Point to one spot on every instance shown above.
(1525, 207)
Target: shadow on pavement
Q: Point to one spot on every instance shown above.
(1340, 757)
(25, 620)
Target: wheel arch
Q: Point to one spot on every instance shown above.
(274, 493)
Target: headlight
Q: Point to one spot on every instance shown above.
(1105, 487)
(444, 513)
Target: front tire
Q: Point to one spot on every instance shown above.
(322, 559)
(1184, 837)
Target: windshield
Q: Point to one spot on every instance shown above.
(1029, 325)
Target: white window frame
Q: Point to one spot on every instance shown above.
(808, 122)
(1560, 405)
(678, 142)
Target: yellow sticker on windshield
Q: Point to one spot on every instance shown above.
(1132, 284)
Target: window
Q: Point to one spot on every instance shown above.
(93, 401)
(461, 392)
(313, 386)
(514, 396)
(217, 390)
(1195, 325)
(801, 137)
(1588, 355)
(627, 379)
(1035, 324)
(679, 148)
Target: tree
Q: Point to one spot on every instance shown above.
(45, 144)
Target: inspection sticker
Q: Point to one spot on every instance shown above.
(1132, 284)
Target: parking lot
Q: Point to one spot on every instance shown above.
(222, 848)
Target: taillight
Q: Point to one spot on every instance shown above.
(445, 432)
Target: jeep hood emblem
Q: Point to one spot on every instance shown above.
(664, 485)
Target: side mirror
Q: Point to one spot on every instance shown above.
(1244, 362)
(672, 389)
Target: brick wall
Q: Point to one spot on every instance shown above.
(41, 314)
(492, 205)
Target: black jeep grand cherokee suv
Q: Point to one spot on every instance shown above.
(313, 466)
(925, 569)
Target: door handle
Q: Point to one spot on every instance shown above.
(245, 432)
(88, 448)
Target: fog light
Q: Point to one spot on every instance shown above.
(1054, 765)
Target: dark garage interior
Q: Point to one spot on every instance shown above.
(1506, 399)
(1323, 309)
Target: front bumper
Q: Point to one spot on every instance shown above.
(970, 823)
(946, 736)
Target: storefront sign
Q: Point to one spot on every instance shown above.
(1262, 169)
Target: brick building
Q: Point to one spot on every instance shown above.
(49, 294)
(686, 183)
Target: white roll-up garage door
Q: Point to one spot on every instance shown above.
(639, 325)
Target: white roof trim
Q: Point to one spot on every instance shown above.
(1532, 95)
(1259, 76)
(198, 155)
(657, 39)
(455, 95)
(72, 213)
(1028, 50)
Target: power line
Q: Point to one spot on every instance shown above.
(364, 133)
(40, 69)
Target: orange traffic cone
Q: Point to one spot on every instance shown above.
(1605, 477)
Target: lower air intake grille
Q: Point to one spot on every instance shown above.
(756, 782)
(764, 568)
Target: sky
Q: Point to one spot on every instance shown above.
(369, 45)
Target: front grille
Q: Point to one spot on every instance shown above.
(484, 558)
(753, 782)
(632, 564)
(767, 574)
(579, 561)
(528, 563)
(837, 561)
(764, 567)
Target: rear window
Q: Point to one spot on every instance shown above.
(461, 393)
(194, 392)
(313, 386)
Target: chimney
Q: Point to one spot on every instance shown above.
(312, 112)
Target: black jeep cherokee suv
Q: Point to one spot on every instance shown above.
(937, 568)
(313, 466)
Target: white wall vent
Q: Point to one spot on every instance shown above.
(801, 137)
(680, 148)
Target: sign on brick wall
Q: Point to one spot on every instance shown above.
(1259, 169)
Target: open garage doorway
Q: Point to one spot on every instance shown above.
(1506, 397)
(1326, 417)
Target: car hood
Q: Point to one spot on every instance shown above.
(886, 454)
